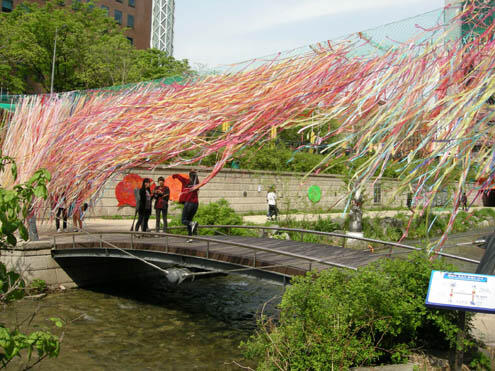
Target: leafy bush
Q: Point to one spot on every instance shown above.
(11, 285)
(216, 213)
(338, 319)
(37, 286)
(14, 207)
(485, 214)
(321, 225)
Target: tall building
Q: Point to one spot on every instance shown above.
(162, 25)
(149, 23)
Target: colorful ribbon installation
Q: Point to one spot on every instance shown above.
(424, 100)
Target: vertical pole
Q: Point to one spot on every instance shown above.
(53, 59)
(166, 244)
(207, 249)
(457, 354)
(254, 259)
(54, 242)
(132, 241)
(101, 242)
(73, 241)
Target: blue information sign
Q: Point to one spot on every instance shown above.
(461, 291)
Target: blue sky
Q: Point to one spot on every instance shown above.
(216, 32)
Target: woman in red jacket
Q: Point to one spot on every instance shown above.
(190, 201)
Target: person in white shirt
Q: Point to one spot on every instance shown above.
(271, 198)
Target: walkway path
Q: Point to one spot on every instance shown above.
(261, 219)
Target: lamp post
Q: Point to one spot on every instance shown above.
(53, 59)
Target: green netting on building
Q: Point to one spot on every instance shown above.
(479, 22)
(8, 102)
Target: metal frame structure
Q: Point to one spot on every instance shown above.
(162, 25)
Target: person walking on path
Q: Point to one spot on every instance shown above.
(464, 201)
(271, 198)
(161, 195)
(144, 207)
(190, 198)
(61, 210)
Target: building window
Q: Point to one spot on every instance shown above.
(131, 40)
(377, 193)
(132, 3)
(105, 8)
(118, 16)
(7, 5)
(130, 21)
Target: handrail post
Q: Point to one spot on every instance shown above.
(166, 244)
(73, 241)
(310, 266)
(254, 259)
(54, 242)
(101, 240)
(207, 249)
(132, 241)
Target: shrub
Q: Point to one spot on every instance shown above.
(37, 286)
(339, 319)
(215, 213)
(321, 224)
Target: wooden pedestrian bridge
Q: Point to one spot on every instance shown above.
(277, 259)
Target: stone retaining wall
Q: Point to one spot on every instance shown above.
(246, 190)
(36, 263)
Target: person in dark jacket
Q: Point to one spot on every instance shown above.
(161, 194)
(190, 201)
(144, 208)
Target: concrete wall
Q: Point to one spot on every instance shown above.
(36, 263)
(246, 190)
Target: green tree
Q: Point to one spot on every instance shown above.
(14, 208)
(91, 50)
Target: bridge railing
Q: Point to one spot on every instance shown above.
(343, 236)
(208, 240)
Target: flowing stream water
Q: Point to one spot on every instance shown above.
(195, 326)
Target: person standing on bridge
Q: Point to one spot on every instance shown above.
(161, 195)
(190, 197)
(144, 207)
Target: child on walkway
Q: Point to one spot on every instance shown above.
(271, 198)
(78, 216)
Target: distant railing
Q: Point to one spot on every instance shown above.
(339, 235)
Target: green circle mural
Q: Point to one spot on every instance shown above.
(314, 193)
